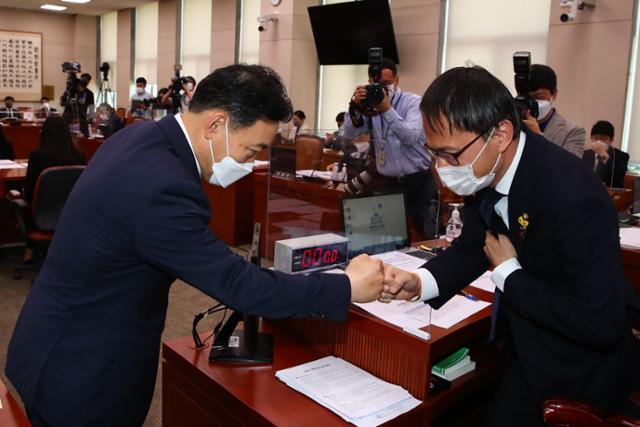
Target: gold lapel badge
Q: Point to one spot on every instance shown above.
(523, 220)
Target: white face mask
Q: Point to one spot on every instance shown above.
(391, 91)
(45, 105)
(461, 179)
(189, 86)
(227, 171)
(544, 107)
(139, 90)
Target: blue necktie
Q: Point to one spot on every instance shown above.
(497, 225)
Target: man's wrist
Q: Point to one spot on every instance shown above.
(504, 270)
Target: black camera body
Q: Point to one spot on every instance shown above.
(71, 67)
(522, 70)
(104, 69)
(375, 91)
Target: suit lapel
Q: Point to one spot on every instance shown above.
(523, 191)
(174, 133)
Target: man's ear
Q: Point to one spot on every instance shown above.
(504, 135)
(554, 95)
(214, 123)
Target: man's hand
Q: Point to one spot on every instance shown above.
(531, 123)
(359, 95)
(366, 275)
(385, 104)
(498, 250)
(400, 284)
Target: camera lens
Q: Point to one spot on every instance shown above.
(564, 17)
(260, 28)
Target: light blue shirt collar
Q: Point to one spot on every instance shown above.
(504, 185)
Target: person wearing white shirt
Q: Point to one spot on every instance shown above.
(140, 105)
(546, 225)
(299, 128)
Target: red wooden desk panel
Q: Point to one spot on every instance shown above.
(631, 266)
(24, 139)
(197, 393)
(11, 414)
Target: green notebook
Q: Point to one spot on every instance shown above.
(450, 361)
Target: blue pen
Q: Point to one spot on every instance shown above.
(469, 296)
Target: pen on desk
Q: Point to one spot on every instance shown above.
(469, 296)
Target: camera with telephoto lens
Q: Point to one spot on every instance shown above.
(375, 91)
(176, 87)
(71, 68)
(522, 70)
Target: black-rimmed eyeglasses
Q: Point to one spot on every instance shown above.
(452, 158)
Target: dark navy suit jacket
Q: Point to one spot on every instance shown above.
(85, 348)
(564, 312)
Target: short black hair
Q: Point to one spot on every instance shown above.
(300, 114)
(162, 91)
(340, 117)
(542, 77)
(191, 79)
(603, 127)
(9, 97)
(43, 98)
(470, 99)
(141, 80)
(86, 76)
(247, 92)
(387, 64)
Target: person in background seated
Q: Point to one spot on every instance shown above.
(8, 112)
(46, 110)
(6, 149)
(299, 127)
(333, 140)
(605, 160)
(141, 100)
(549, 123)
(107, 121)
(56, 149)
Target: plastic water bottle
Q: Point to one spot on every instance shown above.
(454, 226)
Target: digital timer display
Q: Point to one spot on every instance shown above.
(319, 256)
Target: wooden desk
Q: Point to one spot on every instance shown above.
(232, 210)
(89, 146)
(11, 414)
(24, 138)
(329, 157)
(196, 392)
(631, 266)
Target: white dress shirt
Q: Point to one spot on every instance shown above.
(186, 135)
(501, 272)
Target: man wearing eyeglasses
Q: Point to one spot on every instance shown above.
(399, 158)
(544, 222)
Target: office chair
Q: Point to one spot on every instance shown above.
(308, 152)
(51, 192)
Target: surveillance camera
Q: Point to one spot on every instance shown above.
(573, 6)
(265, 19)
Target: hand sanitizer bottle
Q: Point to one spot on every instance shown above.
(454, 226)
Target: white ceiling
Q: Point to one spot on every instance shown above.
(94, 7)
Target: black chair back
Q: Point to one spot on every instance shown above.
(52, 190)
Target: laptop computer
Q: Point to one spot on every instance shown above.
(377, 224)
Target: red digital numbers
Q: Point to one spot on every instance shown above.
(318, 257)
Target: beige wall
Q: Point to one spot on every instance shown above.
(125, 60)
(417, 27)
(223, 33)
(167, 40)
(591, 58)
(288, 47)
(64, 38)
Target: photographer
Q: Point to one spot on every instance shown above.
(549, 123)
(77, 99)
(188, 86)
(399, 157)
(140, 105)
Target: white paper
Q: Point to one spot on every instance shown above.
(484, 282)
(352, 393)
(401, 260)
(456, 310)
(403, 314)
(260, 163)
(312, 173)
(8, 164)
(630, 236)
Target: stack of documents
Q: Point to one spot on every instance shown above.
(10, 164)
(455, 365)
(630, 236)
(352, 393)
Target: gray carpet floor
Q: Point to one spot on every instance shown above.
(184, 303)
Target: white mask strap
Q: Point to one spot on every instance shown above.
(485, 145)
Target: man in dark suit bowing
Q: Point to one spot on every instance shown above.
(85, 349)
(546, 224)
